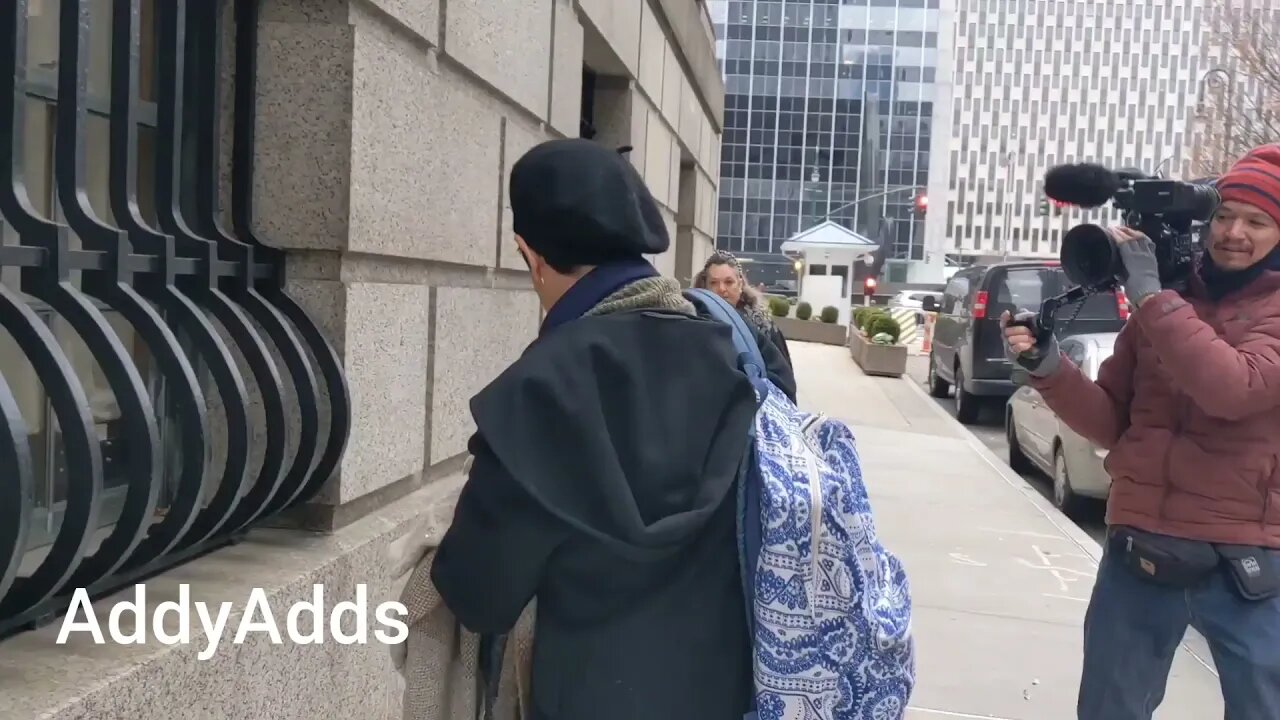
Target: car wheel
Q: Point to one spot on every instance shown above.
(1064, 498)
(1018, 460)
(937, 386)
(967, 406)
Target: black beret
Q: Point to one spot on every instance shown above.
(576, 202)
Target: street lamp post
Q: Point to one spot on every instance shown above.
(864, 198)
(1227, 79)
(815, 191)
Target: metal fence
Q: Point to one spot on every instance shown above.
(159, 391)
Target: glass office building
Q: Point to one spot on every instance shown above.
(827, 102)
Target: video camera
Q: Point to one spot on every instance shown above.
(1164, 210)
(1167, 211)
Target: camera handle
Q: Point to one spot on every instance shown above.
(1041, 325)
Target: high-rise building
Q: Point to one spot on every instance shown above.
(1043, 82)
(830, 113)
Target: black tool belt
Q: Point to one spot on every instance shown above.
(1181, 563)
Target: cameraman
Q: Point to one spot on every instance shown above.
(1189, 408)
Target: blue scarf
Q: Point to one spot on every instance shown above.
(594, 287)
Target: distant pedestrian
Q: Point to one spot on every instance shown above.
(723, 275)
(1189, 408)
(606, 460)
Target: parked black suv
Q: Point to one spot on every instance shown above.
(968, 346)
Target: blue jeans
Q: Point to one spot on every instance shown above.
(1132, 631)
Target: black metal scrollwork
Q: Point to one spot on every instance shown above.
(15, 496)
(246, 14)
(196, 295)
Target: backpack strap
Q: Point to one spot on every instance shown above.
(750, 532)
(744, 341)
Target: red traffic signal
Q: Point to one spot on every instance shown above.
(869, 285)
(922, 203)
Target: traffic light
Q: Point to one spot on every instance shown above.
(868, 290)
(1043, 210)
(922, 203)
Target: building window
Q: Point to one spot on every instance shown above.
(38, 176)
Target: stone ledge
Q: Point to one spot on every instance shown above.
(82, 680)
(323, 517)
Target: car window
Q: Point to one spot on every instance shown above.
(1099, 352)
(957, 290)
(1026, 288)
(1075, 350)
(1099, 306)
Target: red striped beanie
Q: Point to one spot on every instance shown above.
(1255, 180)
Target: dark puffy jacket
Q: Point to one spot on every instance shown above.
(1189, 407)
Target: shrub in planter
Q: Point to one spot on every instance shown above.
(869, 317)
(779, 307)
(884, 325)
(804, 311)
(829, 315)
(859, 314)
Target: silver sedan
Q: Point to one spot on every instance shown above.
(1039, 440)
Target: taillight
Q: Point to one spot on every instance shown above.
(980, 305)
(1122, 304)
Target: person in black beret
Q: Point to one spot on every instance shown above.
(604, 465)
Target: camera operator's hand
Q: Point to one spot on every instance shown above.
(1039, 358)
(1138, 253)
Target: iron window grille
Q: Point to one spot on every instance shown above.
(168, 305)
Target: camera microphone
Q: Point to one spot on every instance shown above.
(1083, 185)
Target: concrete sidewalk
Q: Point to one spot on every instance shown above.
(1000, 578)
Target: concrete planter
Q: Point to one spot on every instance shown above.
(813, 331)
(857, 344)
(885, 360)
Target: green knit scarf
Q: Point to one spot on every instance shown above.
(652, 293)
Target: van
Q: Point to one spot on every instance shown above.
(968, 352)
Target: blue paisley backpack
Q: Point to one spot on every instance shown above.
(828, 607)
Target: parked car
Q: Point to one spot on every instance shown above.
(914, 299)
(968, 349)
(1039, 440)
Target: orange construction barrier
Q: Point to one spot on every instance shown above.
(929, 319)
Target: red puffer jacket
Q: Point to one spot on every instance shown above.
(1189, 408)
